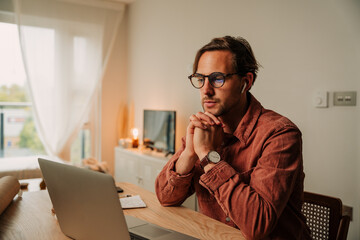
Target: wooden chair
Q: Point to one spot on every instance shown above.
(324, 217)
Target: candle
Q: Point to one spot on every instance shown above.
(135, 139)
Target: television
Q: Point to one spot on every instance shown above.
(159, 130)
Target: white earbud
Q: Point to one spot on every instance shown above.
(243, 89)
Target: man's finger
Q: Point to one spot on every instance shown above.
(197, 122)
(205, 118)
(213, 118)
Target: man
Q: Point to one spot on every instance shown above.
(243, 161)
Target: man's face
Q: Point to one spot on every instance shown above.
(219, 101)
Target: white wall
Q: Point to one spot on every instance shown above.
(114, 95)
(303, 46)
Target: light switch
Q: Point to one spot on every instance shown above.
(344, 98)
(320, 99)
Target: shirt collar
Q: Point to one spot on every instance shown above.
(247, 123)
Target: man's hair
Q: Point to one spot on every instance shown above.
(243, 57)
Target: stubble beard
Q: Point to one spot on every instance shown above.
(218, 112)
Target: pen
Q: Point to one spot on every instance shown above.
(123, 196)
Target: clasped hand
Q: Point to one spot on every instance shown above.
(204, 133)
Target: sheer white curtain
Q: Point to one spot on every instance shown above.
(65, 45)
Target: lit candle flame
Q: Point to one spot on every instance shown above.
(135, 133)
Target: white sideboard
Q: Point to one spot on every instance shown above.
(142, 168)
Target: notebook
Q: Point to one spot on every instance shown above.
(87, 206)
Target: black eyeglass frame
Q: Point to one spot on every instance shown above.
(211, 80)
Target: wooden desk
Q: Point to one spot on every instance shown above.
(30, 217)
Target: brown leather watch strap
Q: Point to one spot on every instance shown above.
(203, 162)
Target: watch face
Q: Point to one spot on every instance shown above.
(214, 157)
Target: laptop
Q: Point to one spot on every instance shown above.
(87, 206)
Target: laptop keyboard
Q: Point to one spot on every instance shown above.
(134, 236)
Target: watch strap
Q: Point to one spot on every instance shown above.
(203, 162)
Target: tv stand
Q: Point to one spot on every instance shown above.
(141, 168)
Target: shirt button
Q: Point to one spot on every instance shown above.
(227, 219)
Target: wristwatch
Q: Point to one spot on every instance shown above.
(211, 157)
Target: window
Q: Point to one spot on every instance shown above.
(18, 136)
(65, 53)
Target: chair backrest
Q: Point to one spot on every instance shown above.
(324, 217)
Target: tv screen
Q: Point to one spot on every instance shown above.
(159, 130)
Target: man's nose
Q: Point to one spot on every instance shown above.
(207, 89)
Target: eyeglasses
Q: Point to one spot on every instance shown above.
(216, 79)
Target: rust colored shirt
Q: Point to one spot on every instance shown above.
(258, 185)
